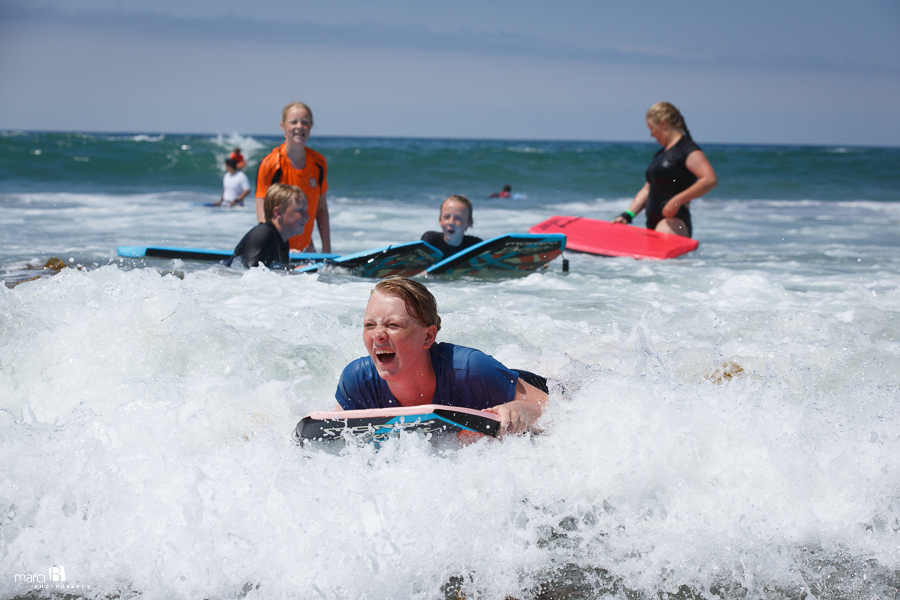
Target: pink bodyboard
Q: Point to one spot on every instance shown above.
(615, 239)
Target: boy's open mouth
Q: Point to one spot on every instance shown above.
(384, 355)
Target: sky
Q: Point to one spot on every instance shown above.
(764, 72)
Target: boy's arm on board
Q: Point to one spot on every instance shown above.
(520, 414)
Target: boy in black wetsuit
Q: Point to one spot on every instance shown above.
(267, 243)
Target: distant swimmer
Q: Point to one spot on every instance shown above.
(267, 243)
(406, 366)
(505, 193)
(678, 173)
(238, 158)
(295, 164)
(455, 218)
(235, 185)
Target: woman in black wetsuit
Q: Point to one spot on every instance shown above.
(677, 174)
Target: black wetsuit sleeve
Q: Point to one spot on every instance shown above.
(436, 239)
(469, 240)
(263, 244)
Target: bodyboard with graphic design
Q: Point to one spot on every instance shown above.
(203, 254)
(615, 239)
(376, 425)
(397, 259)
(512, 253)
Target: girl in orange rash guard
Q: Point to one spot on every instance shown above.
(293, 163)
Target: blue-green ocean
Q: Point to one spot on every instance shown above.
(722, 425)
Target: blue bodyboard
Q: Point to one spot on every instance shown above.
(512, 253)
(222, 205)
(379, 424)
(203, 254)
(397, 259)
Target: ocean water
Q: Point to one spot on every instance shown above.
(722, 425)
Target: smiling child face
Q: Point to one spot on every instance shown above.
(296, 125)
(396, 341)
(454, 221)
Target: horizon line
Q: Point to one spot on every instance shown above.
(6, 131)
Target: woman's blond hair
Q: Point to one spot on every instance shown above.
(663, 111)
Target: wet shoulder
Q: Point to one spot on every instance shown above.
(686, 145)
(316, 157)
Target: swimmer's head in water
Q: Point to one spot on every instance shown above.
(455, 218)
(282, 196)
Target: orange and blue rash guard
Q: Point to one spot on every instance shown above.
(276, 168)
